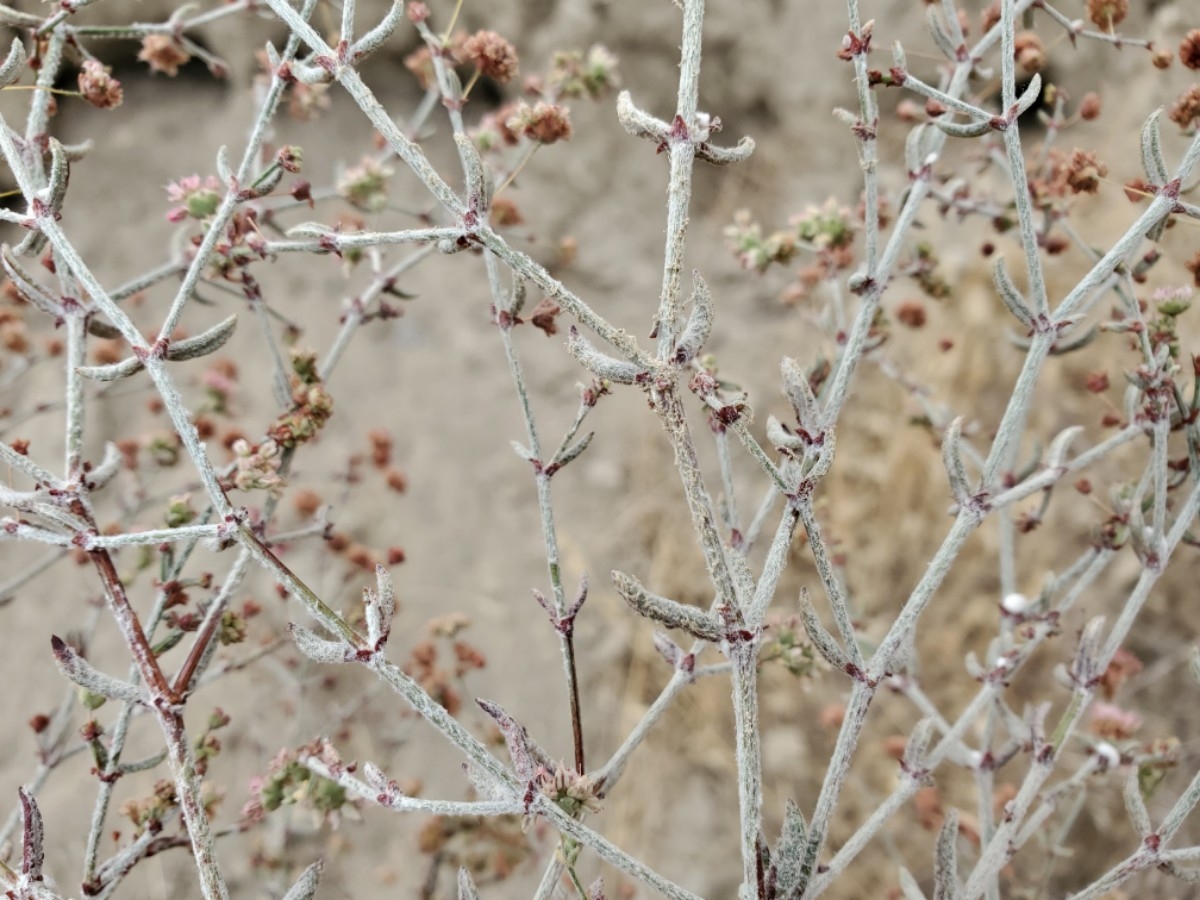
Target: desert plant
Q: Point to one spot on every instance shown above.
(967, 156)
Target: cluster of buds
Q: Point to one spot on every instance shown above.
(98, 87)
(425, 662)
(207, 744)
(544, 123)
(786, 642)
(1065, 174)
(575, 74)
(365, 186)
(313, 407)
(147, 813)
(568, 789)
(289, 782)
(257, 467)
(313, 404)
(544, 119)
(755, 252)
(179, 511)
(826, 227)
(826, 231)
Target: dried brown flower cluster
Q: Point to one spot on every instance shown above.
(545, 123)
(98, 86)
(1107, 14)
(1189, 49)
(163, 53)
(492, 55)
(1185, 111)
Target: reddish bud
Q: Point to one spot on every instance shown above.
(1089, 106)
(1189, 49)
(911, 313)
(397, 481)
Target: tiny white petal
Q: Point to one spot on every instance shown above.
(1014, 604)
(1108, 753)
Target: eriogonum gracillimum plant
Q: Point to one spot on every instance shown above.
(970, 146)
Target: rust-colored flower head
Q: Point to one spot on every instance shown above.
(163, 53)
(98, 86)
(911, 313)
(1107, 14)
(1186, 110)
(1089, 106)
(1161, 57)
(546, 123)
(1030, 52)
(492, 55)
(1084, 172)
(1189, 49)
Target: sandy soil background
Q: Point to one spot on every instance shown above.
(468, 524)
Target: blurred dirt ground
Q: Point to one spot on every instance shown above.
(468, 524)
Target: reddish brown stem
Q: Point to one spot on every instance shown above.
(127, 619)
(576, 713)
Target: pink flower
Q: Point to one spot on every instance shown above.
(197, 198)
